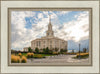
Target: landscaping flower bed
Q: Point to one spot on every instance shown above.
(15, 59)
(82, 55)
(18, 59)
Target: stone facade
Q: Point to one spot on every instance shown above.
(49, 41)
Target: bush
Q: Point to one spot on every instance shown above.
(24, 59)
(82, 54)
(20, 54)
(38, 56)
(63, 51)
(30, 55)
(50, 51)
(15, 59)
(55, 53)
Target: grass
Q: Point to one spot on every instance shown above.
(24, 54)
(45, 55)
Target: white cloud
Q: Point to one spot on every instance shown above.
(63, 12)
(76, 29)
(40, 15)
(19, 33)
(73, 30)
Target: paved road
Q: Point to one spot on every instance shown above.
(57, 59)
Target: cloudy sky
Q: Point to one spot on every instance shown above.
(72, 26)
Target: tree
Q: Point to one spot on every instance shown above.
(65, 50)
(36, 50)
(47, 50)
(44, 50)
(84, 50)
(29, 49)
(73, 51)
(61, 51)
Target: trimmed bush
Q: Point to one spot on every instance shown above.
(15, 59)
(24, 59)
(30, 55)
(20, 54)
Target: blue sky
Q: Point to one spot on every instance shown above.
(72, 26)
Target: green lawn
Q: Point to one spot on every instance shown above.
(45, 55)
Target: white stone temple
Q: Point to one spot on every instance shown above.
(49, 40)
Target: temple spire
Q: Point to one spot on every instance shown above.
(49, 31)
(50, 25)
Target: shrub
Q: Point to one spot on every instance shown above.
(56, 49)
(38, 56)
(24, 59)
(30, 55)
(50, 51)
(20, 54)
(15, 59)
(55, 53)
(82, 54)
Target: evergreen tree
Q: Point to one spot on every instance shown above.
(36, 50)
(44, 50)
(84, 50)
(29, 49)
(47, 50)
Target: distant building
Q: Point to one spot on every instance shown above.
(49, 41)
(25, 49)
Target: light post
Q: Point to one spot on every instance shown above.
(79, 50)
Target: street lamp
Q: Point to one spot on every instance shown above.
(79, 50)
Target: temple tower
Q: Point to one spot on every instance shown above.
(49, 32)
